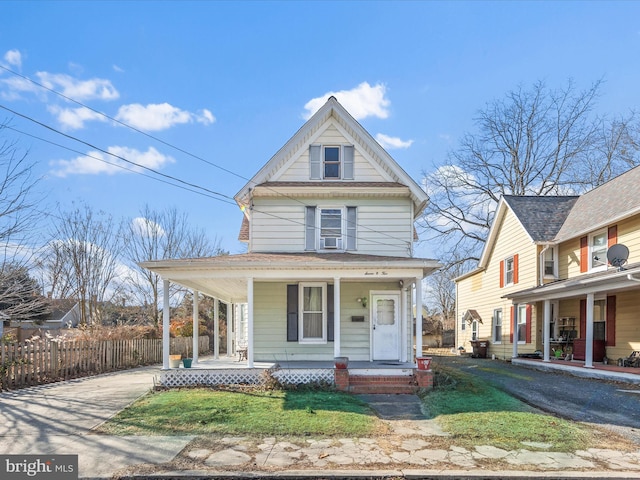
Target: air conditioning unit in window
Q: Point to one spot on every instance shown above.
(330, 243)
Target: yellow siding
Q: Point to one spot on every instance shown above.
(482, 291)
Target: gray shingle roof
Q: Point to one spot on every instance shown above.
(542, 217)
(606, 204)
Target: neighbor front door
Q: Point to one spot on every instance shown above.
(385, 324)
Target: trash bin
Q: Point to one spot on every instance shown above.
(479, 348)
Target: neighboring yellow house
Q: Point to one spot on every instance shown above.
(544, 277)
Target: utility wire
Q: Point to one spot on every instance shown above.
(179, 149)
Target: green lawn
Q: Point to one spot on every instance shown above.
(201, 411)
(475, 413)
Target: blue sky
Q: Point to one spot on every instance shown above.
(231, 82)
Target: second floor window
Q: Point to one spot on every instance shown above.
(330, 228)
(598, 250)
(550, 266)
(508, 270)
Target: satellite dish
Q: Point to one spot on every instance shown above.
(617, 255)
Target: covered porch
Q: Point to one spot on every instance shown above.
(593, 317)
(269, 330)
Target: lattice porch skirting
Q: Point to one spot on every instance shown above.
(185, 377)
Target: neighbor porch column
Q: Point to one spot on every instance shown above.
(336, 317)
(514, 329)
(196, 326)
(418, 317)
(166, 345)
(216, 328)
(250, 322)
(588, 349)
(546, 335)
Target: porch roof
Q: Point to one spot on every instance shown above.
(225, 277)
(606, 281)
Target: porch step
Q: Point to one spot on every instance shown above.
(400, 384)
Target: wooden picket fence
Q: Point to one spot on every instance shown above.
(45, 361)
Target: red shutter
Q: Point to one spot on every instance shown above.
(529, 322)
(501, 273)
(583, 318)
(612, 236)
(611, 321)
(584, 254)
(515, 268)
(511, 324)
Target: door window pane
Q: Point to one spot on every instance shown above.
(385, 310)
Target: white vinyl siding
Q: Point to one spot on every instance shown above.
(384, 226)
(300, 170)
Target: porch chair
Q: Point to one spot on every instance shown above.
(632, 360)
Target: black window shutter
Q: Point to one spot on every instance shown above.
(330, 316)
(292, 313)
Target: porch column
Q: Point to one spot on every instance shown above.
(546, 335)
(418, 317)
(216, 328)
(588, 349)
(166, 343)
(336, 317)
(250, 322)
(196, 326)
(514, 329)
(405, 322)
(229, 328)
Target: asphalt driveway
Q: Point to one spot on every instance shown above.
(610, 404)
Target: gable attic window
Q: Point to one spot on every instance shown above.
(331, 162)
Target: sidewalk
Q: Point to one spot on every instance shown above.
(57, 418)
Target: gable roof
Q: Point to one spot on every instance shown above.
(541, 217)
(602, 206)
(301, 140)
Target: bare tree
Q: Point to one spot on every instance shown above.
(18, 199)
(160, 235)
(20, 294)
(81, 261)
(535, 141)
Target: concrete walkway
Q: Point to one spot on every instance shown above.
(58, 418)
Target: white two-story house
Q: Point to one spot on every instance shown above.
(329, 269)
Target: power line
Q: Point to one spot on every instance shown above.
(60, 94)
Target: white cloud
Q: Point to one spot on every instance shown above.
(146, 228)
(13, 58)
(95, 88)
(362, 101)
(94, 162)
(117, 68)
(160, 116)
(390, 143)
(16, 86)
(75, 118)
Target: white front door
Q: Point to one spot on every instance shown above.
(385, 322)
